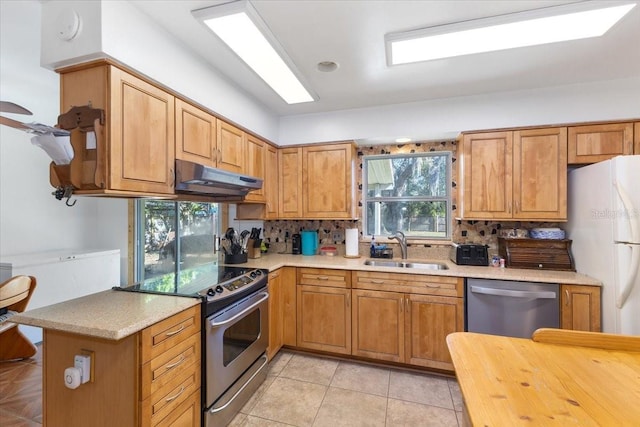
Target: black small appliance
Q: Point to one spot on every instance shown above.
(470, 254)
(296, 244)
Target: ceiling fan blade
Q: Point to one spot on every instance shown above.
(10, 107)
(13, 123)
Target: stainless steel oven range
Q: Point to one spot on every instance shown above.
(235, 332)
(236, 335)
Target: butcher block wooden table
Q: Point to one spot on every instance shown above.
(557, 378)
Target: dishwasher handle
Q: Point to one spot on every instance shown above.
(513, 293)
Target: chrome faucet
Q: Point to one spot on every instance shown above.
(399, 236)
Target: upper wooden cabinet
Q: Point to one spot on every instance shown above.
(271, 182)
(138, 154)
(231, 147)
(317, 182)
(255, 165)
(328, 181)
(518, 174)
(598, 142)
(196, 135)
(290, 183)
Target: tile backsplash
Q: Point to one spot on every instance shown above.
(332, 232)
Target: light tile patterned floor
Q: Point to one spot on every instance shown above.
(300, 390)
(308, 390)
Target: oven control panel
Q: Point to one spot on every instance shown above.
(235, 285)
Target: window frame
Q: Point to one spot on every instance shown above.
(447, 199)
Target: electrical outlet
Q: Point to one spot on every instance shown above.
(337, 237)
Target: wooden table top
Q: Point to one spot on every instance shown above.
(514, 381)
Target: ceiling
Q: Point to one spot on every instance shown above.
(351, 33)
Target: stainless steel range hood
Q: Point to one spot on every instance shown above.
(196, 179)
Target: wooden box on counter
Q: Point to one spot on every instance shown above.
(544, 254)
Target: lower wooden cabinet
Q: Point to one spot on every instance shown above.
(151, 378)
(405, 327)
(580, 308)
(276, 313)
(324, 310)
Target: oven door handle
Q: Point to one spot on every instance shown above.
(223, 407)
(265, 296)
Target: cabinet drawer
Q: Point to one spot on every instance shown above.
(170, 364)
(324, 277)
(158, 338)
(185, 414)
(168, 398)
(409, 283)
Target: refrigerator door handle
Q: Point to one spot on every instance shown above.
(632, 213)
(634, 266)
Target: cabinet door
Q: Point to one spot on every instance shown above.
(429, 319)
(324, 319)
(328, 188)
(487, 175)
(540, 174)
(636, 138)
(289, 304)
(195, 134)
(142, 144)
(378, 325)
(290, 184)
(275, 313)
(580, 309)
(255, 166)
(231, 147)
(271, 182)
(595, 143)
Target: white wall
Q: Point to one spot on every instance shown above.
(31, 219)
(446, 118)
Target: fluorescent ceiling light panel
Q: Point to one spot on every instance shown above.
(240, 32)
(504, 32)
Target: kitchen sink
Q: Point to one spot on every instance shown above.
(406, 264)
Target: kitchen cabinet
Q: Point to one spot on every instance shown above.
(138, 153)
(256, 157)
(290, 183)
(405, 318)
(276, 313)
(271, 182)
(324, 310)
(231, 147)
(196, 135)
(597, 142)
(519, 174)
(317, 182)
(580, 308)
(152, 377)
(636, 138)
(328, 181)
(288, 285)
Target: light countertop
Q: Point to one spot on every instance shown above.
(274, 261)
(115, 315)
(111, 315)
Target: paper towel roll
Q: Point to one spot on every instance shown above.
(351, 242)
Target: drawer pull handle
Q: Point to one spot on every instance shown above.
(322, 277)
(173, 365)
(169, 399)
(429, 285)
(180, 329)
(377, 282)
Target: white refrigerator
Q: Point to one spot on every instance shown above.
(604, 224)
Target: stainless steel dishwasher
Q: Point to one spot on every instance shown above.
(509, 308)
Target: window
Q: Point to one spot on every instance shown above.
(173, 236)
(409, 193)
